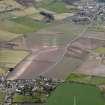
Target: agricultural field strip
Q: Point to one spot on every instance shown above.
(7, 36)
(18, 28)
(88, 79)
(10, 58)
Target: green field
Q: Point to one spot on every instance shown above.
(86, 79)
(7, 36)
(5, 15)
(10, 58)
(54, 5)
(58, 7)
(21, 98)
(76, 94)
(26, 21)
(14, 27)
(30, 99)
(100, 50)
(2, 96)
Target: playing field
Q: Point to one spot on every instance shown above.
(76, 94)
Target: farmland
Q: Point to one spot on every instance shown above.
(17, 98)
(31, 23)
(97, 28)
(51, 39)
(25, 12)
(7, 36)
(2, 96)
(10, 58)
(21, 25)
(14, 27)
(58, 7)
(100, 50)
(87, 79)
(80, 94)
(67, 65)
(21, 99)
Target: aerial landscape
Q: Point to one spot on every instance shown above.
(52, 52)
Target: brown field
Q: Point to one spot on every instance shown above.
(92, 67)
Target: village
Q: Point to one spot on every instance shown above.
(52, 52)
(36, 90)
